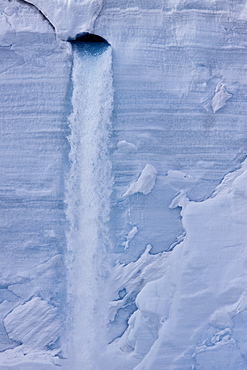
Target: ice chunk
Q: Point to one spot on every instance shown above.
(223, 315)
(220, 97)
(35, 324)
(208, 266)
(134, 276)
(131, 234)
(126, 146)
(180, 200)
(177, 175)
(154, 303)
(64, 15)
(145, 183)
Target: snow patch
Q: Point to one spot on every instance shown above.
(220, 97)
(154, 304)
(208, 266)
(177, 175)
(131, 234)
(134, 276)
(35, 324)
(70, 18)
(222, 317)
(125, 146)
(21, 358)
(147, 279)
(21, 17)
(180, 200)
(145, 182)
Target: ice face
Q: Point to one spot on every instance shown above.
(154, 278)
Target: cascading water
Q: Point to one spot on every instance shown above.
(88, 196)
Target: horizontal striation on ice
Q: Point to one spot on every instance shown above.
(175, 65)
(168, 60)
(34, 76)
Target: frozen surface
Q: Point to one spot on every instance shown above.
(70, 18)
(123, 185)
(206, 287)
(220, 97)
(35, 73)
(191, 302)
(145, 182)
(32, 315)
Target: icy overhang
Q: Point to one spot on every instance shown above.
(88, 38)
(93, 44)
(69, 18)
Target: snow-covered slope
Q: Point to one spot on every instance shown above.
(69, 18)
(194, 315)
(146, 271)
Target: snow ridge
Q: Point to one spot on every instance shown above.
(170, 289)
(63, 15)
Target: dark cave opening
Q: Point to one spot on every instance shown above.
(90, 43)
(89, 38)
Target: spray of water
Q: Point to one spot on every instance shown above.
(88, 199)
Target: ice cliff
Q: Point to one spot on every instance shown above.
(123, 184)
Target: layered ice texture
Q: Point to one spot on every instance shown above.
(123, 184)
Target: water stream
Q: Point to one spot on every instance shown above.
(88, 197)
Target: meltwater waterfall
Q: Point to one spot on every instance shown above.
(88, 195)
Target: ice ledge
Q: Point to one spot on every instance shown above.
(69, 18)
(209, 265)
(145, 182)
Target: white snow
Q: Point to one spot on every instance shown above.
(220, 97)
(135, 275)
(24, 322)
(131, 234)
(21, 17)
(177, 175)
(180, 200)
(36, 326)
(70, 18)
(132, 282)
(205, 280)
(145, 182)
(126, 146)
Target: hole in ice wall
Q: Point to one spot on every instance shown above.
(90, 43)
(88, 196)
(89, 38)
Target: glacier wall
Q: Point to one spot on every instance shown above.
(35, 74)
(161, 279)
